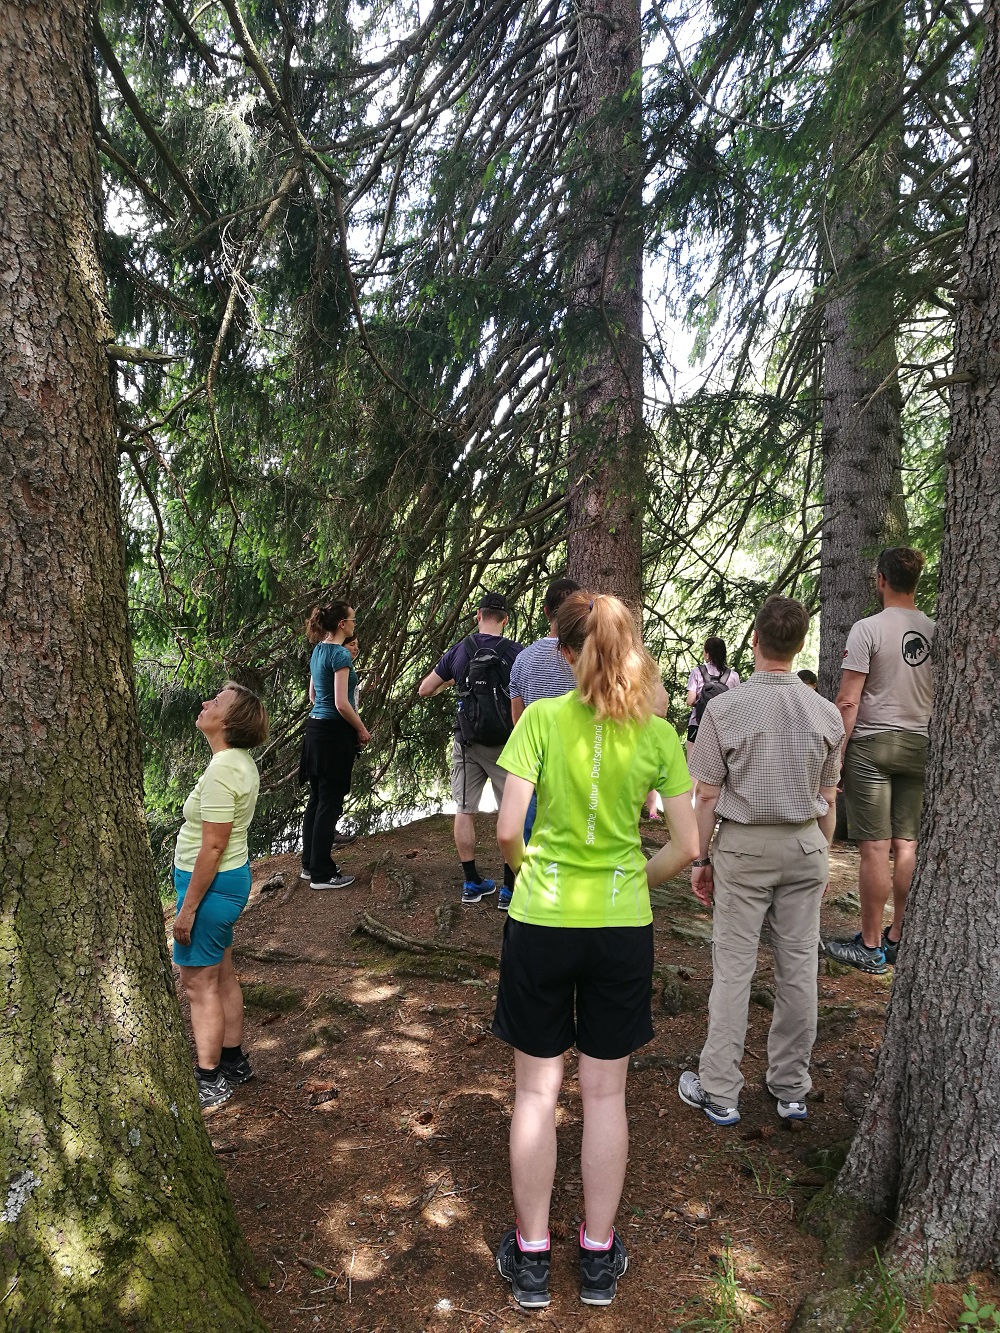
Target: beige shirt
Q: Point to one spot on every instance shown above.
(770, 745)
(893, 649)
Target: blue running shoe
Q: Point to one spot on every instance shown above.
(504, 897)
(473, 892)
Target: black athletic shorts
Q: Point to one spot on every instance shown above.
(692, 733)
(572, 986)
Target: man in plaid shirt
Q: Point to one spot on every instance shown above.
(767, 761)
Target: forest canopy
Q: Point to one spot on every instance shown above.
(345, 248)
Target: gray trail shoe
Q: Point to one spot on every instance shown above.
(855, 953)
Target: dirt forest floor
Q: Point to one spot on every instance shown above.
(368, 1158)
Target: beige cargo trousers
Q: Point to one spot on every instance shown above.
(774, 873)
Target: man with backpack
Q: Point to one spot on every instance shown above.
(479, 667)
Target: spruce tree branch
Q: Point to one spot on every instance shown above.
(177, 13)
(145, 124)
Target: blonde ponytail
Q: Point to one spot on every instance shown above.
(614, 672)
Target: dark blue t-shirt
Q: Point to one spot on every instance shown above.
(455, 662)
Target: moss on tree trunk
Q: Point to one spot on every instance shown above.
(113, 1213)
(927, 1152)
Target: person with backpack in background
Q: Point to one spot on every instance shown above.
(709, 679)
(479, 667)
(540, 672)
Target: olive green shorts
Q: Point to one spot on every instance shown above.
(884, 785)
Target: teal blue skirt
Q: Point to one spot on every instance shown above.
(212, 932)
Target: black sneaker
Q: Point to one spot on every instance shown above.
(212, 1091)
(528, 1274)
(237, 1071)
(890, 947)
(855, 953)
(600, 1271)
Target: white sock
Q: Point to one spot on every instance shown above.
(589, 1244)
(532, 1246)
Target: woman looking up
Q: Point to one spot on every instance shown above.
(212, 879)
(711, 675)
(577, 961)
(334, 734)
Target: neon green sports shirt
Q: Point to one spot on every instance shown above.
(584, 865)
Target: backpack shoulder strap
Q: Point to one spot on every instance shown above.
(704, 672)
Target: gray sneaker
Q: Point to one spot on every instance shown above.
(691, 1092)
(855, 953)
(792, 1110)
(212, 1091)
(338, 882)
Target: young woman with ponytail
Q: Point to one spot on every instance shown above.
(577, 960)
(712, 670)
(334, 733)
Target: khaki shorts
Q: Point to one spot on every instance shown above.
(471, 765)
(884, 785)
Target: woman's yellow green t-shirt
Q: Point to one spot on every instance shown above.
(225, 793)
(584, 865)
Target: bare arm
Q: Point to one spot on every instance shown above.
(852, 683)
(660, 701)
(691, 698)
(828, 822)
(341, 681)
(214, 840)
(516, 706)
(432, 684)
(510, 821)
(706, 799)
(674, 855)
(312, 690)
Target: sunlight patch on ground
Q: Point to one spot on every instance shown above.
(365, 991)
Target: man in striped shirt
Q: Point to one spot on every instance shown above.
(540, 672)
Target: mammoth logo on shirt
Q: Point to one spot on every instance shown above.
(915, 648)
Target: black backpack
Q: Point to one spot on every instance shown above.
(711, 688)
(484, 716)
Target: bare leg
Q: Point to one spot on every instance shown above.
(232, 1001)
(533, 1140)
(874, 887)
(465, 837)
(605, 1142)
(201, 986)
(904, 858)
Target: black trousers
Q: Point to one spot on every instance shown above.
(328, 752)
(319, 827)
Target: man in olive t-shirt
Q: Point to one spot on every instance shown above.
(885, 700)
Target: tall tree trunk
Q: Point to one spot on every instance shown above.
(927, 1152)
(607, 437)
(863, 508)
(113, 1214)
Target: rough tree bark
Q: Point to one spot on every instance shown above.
(927, 1152)
(607, 437)
(113, 1214)
(863, 508)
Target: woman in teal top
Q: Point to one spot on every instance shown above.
(334, 735)
(212, 880)
(577, 960)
